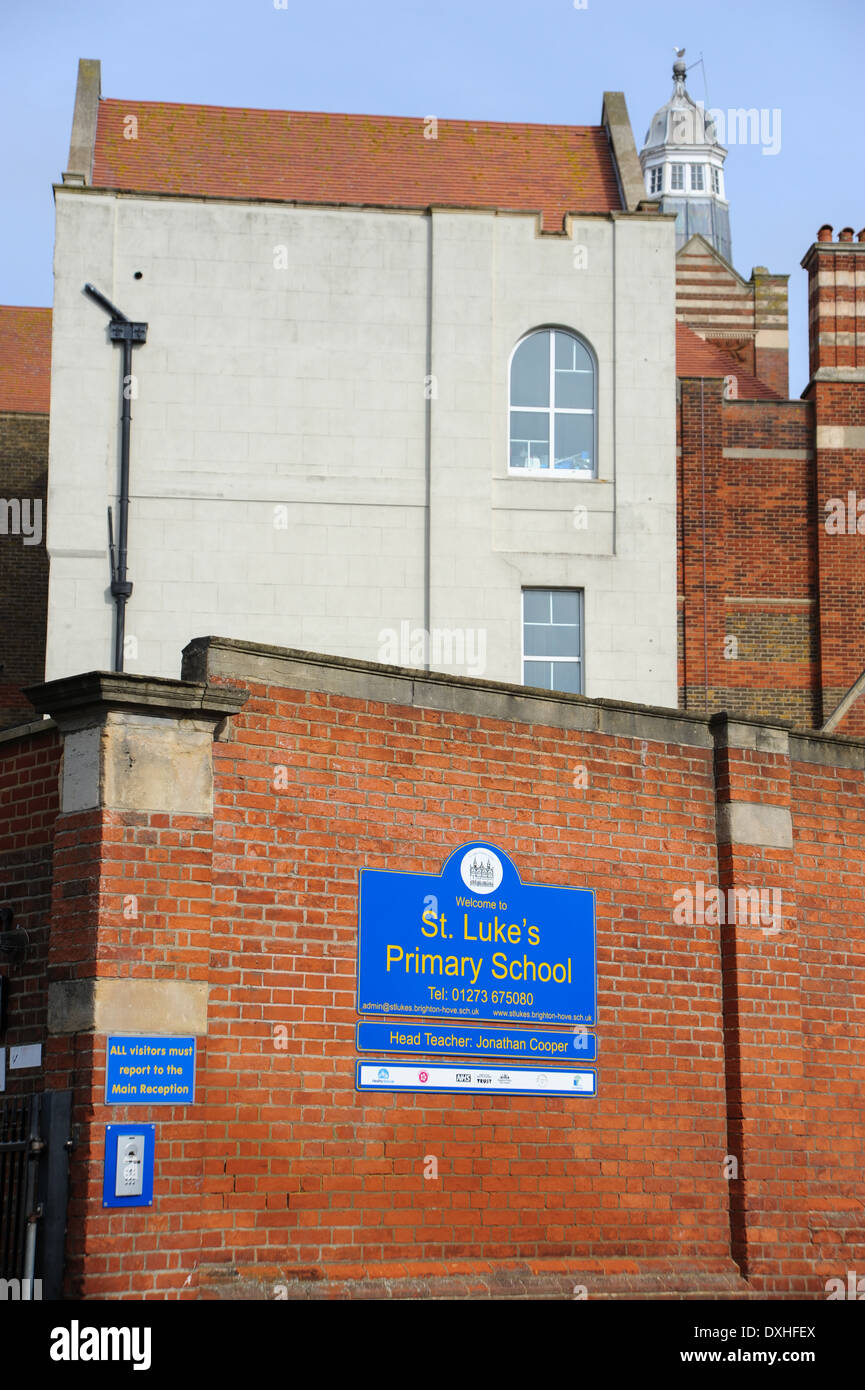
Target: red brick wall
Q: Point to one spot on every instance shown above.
(836, 283)
(747, 527)
(29, 800)
(23, 568)
(756, 560)
(828, 811)
(763, 1029)
(326, 1178)
(132, 899)
(840, 473)
(714, 1041)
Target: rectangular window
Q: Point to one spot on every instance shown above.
(656, 179)
(697, 184)
(574, 442)
(530, 440)
(716, 180)
(553, 639)
(677, 176)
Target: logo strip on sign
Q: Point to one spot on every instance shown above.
(522, 1044)
(433, 1076)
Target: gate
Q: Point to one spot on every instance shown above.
(35, 1141)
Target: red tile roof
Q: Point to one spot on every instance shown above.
(384, 161)
(696, 357)
(25, 359)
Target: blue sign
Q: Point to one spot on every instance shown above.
(150, 1071)
(577, 1045)
(454, 1078)
(476, 943)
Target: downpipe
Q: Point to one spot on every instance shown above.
(121, 330)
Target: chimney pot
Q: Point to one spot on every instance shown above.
(825, 232)
(845, 234)
(860, 236)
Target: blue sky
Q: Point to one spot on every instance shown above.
(539, 60)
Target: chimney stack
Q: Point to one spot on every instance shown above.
(836, 301)
(771, 339)
(836, 320)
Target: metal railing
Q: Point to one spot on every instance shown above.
(34, 1151)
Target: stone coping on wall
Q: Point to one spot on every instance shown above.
(220, 658)
(225, 658)
(72, 700)
(473, 1279)
(209, 659)
(34, 726)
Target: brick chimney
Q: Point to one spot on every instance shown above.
(836, 300)
(771, 343)
(836, 316)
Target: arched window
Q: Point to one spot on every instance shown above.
(552, 405)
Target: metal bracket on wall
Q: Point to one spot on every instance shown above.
(13, 943)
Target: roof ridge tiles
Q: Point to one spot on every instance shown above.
(25, 359)
(382, 161)
(473, 121)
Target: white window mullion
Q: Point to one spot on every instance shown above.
(553, 406)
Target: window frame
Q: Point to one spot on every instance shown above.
(580, 659)
(551, 410)
(701, 187)
(677, 167)
(656, 177)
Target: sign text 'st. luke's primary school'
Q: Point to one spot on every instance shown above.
(476, 944)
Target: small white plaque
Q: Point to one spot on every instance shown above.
(30, 1055)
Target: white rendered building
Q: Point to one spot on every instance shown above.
(400, 377)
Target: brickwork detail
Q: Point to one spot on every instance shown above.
(23, 567)
(281, 1173)
(29, 794)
